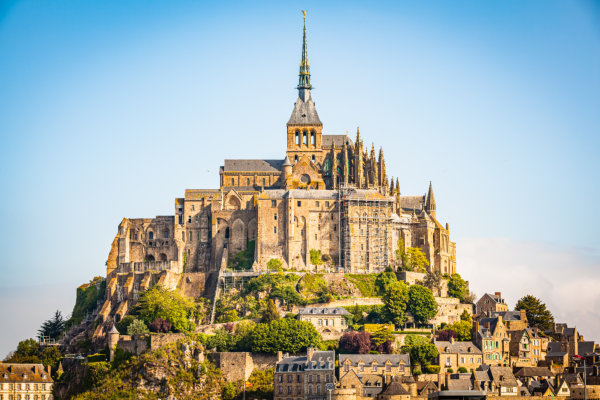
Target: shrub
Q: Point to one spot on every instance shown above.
(137, 327)
(124, 323)
(450, 370)
(171, 306)
(288, 335)
(96, 358)
(432, 369)
(355, 342)
(462, 370)
(274, 264)
(160, 325)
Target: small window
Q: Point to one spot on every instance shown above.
(264, 182)
(334, 228)
(299, 203)
(317, 204)
(196, 218)
(189, 219)
(313, 158)
(273, 203)
(326, 204)
(150, 235)
(247, 181)
(232, 182)
(296, 158)
(275, 217)
(274, 229)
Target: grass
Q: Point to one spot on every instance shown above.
(364, 283)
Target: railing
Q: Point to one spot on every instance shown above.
(146, 266)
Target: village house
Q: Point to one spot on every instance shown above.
(384, 365)
(454, 355)
(25, 381)
(304, 377)
(490, 303)
(526, 348)
(325, 319)
(491, 336)
(496, 380)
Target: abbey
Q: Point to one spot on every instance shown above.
(327, 192)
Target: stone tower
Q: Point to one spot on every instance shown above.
(304, 128)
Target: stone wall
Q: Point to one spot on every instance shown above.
(159, 340)
(237, 366)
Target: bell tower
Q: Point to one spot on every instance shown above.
(304, 128)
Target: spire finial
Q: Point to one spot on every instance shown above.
(304, 77)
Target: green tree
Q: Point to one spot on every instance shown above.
(465, 316)
(315, 258)
(416, 260)
(462, 329)
(421, 354)
(53, 327)
(538, 316)
(458, 288)
(413, 340)
(385, 279)
(171, 306)
(27, 353)
(124, 323)
(395, 300)
(433, 281)
(243, 335)
(421, 304)
(285, 334)
(137, 327)
(401, 256)
(271, 313)
(274, 264)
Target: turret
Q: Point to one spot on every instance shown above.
(113, 340)
(286, 170)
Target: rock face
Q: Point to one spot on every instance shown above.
(175, 371)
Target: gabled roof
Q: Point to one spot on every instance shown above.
(252, 165)
(395, 388)
(533, 372)
(584, 348)
(336, 140)
(445, 347)
(323, 311)
(381, 359)
(503, 376)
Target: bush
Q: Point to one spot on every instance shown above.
(124, 323)
(462, 370)
(160, 325)
(450, 370)
(274, 264)
(355, 342)
(137, 327)
(244, 259)
(96, 358)
(432, 369)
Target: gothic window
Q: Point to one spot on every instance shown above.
(327, 167)
(166, 233)
(150, 235)
(274, 229)
(305, 179)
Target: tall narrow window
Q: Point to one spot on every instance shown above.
(296, 158)
(150, 235)
(313, 138)
(313, 158)
(232, 180)
(247, 181)
(305, 134)
(264, 181)
(298, 138)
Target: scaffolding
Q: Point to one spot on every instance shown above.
(365, 223)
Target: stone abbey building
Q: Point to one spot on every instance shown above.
(327, 192)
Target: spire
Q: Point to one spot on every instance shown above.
(304, 77)
(392, 186)
(430, 201)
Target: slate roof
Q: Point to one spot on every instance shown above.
(395, 388)
(459, 382)
(336, 140)
(319, 360)
(507, 315)
(584, 348)
(381, 359)
(253, 165)
(457, 347)
(304, 113)
(412, 202)
(555, 350)
(323, 311)
(24, 373)
(312, 194)
(503, 376)
(531, 372)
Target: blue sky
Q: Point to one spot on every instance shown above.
(111, 109)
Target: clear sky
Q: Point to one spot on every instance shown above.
(110, 109)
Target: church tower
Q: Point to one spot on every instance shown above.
(304, 129)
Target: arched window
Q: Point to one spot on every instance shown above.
(313, 138)
(150, 235)
(227, 233)
(298, 140)
(166, 233)
(296, 158)
(313, 158)
(305, 134)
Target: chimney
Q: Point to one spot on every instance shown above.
(498, 294)
(279, 356)
(523, 315)
(310, 353)
(48, 370)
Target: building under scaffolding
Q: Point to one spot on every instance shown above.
(366, 234)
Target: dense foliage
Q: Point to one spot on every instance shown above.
(172, 306)
(421, 304)
(458, 287)
(433, 282)
(286, 334)
(395, 301)
(538, 315)
(30, 352)
(271, 313)
(137, 327)
(88, 296)
(244, 259)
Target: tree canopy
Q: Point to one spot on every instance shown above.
(538, 315)
(172, 306)
(271, 313)
(395, 300)
(421, 304)
(285, 334)
(433, 281)
(53, 327)
(458, 288)
(384, 280)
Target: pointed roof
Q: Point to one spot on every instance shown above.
(304, 112)
(430, 199)
(286, 162)
(113, 329)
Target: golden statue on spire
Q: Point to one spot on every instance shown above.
(304, 13)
